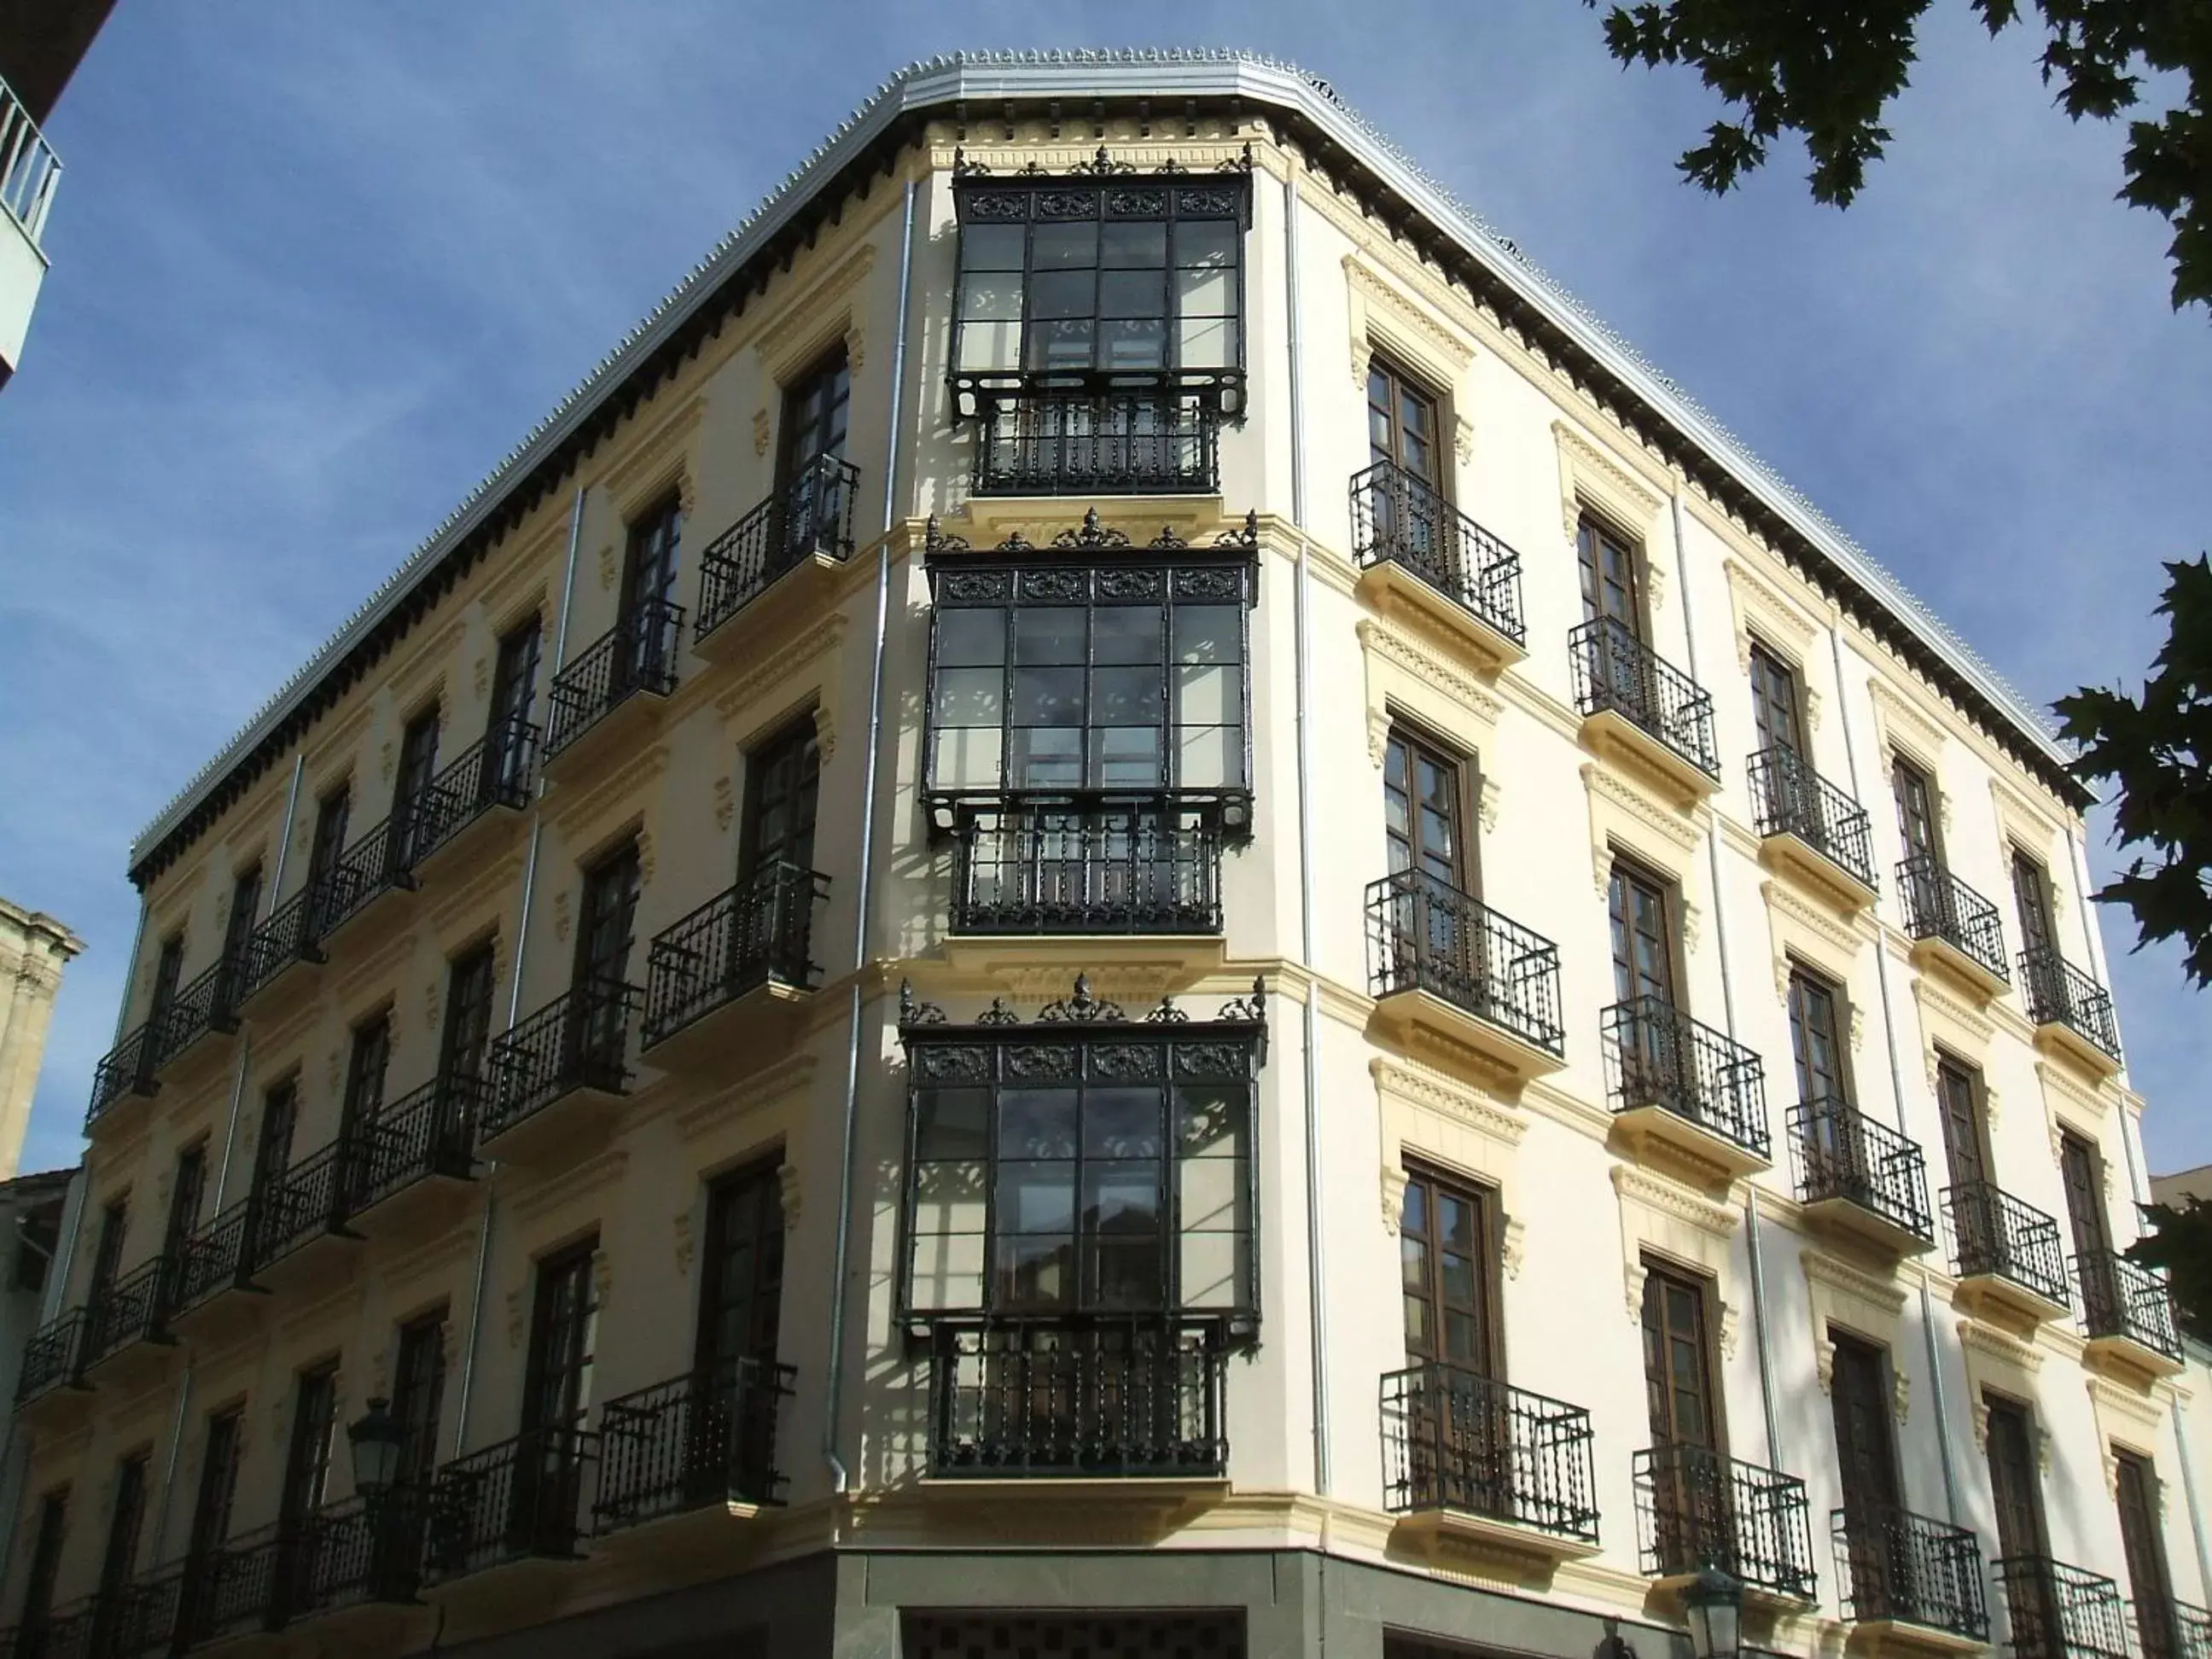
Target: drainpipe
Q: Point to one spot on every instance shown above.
(1759, 1319)
(840, 1478)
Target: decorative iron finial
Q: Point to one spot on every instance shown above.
(1167, 540)
(913, 1011)
(1167, 1014)
(1251, 1010)
(1246, 537)
(1091, 535)
(998, 1014)
(1082, 1008)
(934, 540)
(1017, 543)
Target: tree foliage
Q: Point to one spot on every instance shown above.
(1826, 70)
(2182, 1244)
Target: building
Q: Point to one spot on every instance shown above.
(41, 44)
(33, 950)
(1122, 904)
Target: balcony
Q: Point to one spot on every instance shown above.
(2060, 1611)
(132, 1311)
(1446, 967)
(292, 934)
(520, 1500)
(1419, 550)
(1685, 1086)
(52, 1359)
(1861, 1178)
(695, 1446)
(1917, 1581)
(218, 1259)
(558, 1074)
(2073, 1013)
(1954, 928)
(1639, 709)
(1492, 1466)
(602, 693)
(147, 1617)
(303, 1219)
(417, 1145)
(490, 775)
(740, 963)
(2172, 1629)
(2006, 1254)
(76, 1630)
(30, 172)
(380, 862)
(207, 1006)
(2127, 1314)
(357, 1553)
(1695, 1507)
(807, 524)
(124, 1071)
(1812, 830)
(1144, 440)
(237, 1589)
(1135, 867)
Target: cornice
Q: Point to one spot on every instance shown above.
(1668, 1198)
(1447, 1096)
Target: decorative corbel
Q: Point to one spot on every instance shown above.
(1363, 352)
(1824, 1362)
(2112, 1473)
(383, 760)
(1601, 865)
(1731, 1328)
(514, 1309)
(1989, 1103)
(1514, 1248)
(685, 1242)
(1900, 1393)
(607, 566)
(431, 1010)
(1814, 702)
(826, 730)
(789, 1194)
(602, 1276)
(1981, 1417)
(331, 1070)
(1632, 1276)
(1394, 1197)
(279, 1411)
(856, 347)
(2043, 1450)
(1463, 436)
(646, 862)
(1858, 1027)
(1694, 921)
(480, 675)
(561, 914)
(1486, 804)
(726, 802)
(761, 430)
(1655, 582)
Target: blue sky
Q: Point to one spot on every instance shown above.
(317, 268)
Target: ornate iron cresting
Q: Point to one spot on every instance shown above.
(357, 1550)
(1695, 1507)
(1616, 672)
(1396, 519)
(1993, 1233)
(493, 771)
(125, 1069)
(1153, 441)
(2061, 1611)
(693, 1441)
(579, 1040)
(637, 654)
(1128, 1399)
(2059, 993)
(1840, 1152)
(520, 1499)
(760, 931)
(1657, 1055)
(426, 1132)
(1789, 798)
(1938, 905)
(1101, 867)
(2120, 1297)
(810, 514)
(1422, 935)
(52, 1357)
(1893, 1565)
(1454, 1440)
(380, 862)
(135, 1307)
(208, 1002)
(293, 933)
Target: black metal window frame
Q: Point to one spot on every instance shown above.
(1017, 576)
(1086, 1043)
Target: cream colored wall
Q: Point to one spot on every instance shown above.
(34, 948)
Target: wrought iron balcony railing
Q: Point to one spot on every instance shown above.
(811, 513)
(579, 1040)
(637, 654)
(1107, 866)
(309, 1199)
(145, 1617)
(1695, 1507)
(1939, 906)
(1789, 798)
(493, 771)
(1657, 1055)
(293, 933)
(1617, 672)
(355, 1552)
(1396, 519)
(207, 1003)
(135, 1309)
(2061, 1611)
(2171, 1630)
(759, 932)
(2059, 993)
(2123, 1298)
(1102, 1397)
(1893, 1565)
(76, 1630)
(1840, 1152)
(1422, 935)
(1161, 441)
(53, 1356)
(1454, 1440)
(380, 862)
(1993, 1234)
(521, 1498)
(235, 1590)
(125, 1069)
(222, 1256)
(429, 1131)
(696, 1440)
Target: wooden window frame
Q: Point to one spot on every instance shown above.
(1490, 1206)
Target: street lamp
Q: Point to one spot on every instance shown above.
(377, 1440)
(1714, 1602)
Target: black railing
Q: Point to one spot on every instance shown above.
(2060, 1611)
(638, 654)
(494, 771)
(696, 1440)
(76, 1630)
(147, 1616)
(1422, 935)
(235, 1589)
(379, 862)
(125, 1069)
(1150, 866)
(579, 1040)
(1840, 1152)
(358, 1551)
(135, 1309)
(1895, 1566)
(521, 1498)
(1696, 1508)
(2172, 1629)
(2120, 1297)
(759, 932)
(1106, 1398)
(2057, 992)
(1657, 1055)
(53, 1356)
(220, 1256)
(1149, 442)
(1616, 672)
(293, 933)
(1789, 798)
(1397, 519)
(1453, 1440)
(429, 1131)
(810, 513)
(209, 1003)
(1938, 905)
(1994, 1234)
(309, 1199)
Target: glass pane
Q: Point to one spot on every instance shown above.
(1134, 293)
(971, 696)
(1132, 242)
(1412, 1264)
(951, 1123)
(1062, 293)
(1051, 634)
(1033, 1272)
(1035, 1198)
(1130, 345)
(1126, 1271)
(1198, 293)
(991, 247)
(948, 1272)
(1048, 757)
(1048, 696)
(1210, 757)
(1060, 345)
(1210, 1121)
(990, 345)
(1061, 244)
(968, 758)
(966, 637)
(949, 1199)
(1209, 696)
(1122, 1198)
(1126, 633)
(1128, 757)
(1036, 1123)
(1216, 1269)
(1458, 1276)
(1206, 342)
(1210, 1193)
(1206, 242)
(1457, 1217)
(992, 294)
(1207, 633)
(1123, 1123)
(1126, 697)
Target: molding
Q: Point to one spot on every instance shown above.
(1590, 477)
(2030, 823)
(1901, 723)
(811, 317)
(784, 670)
(744, 1095)
(574, 817)
(655, 461)
(1379, 312)
(1763, 612)
(1669, 1219)
(585, 1179)
(1654, 830)
(1796, 928)
(1411, 672)
(2123, 1415)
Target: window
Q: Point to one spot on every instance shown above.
(1860, 1396)
(168, 970)
(237, 926)
(187, 1188)
(1610, 589)
(649, 567)
(118, 1559)
(1643, 935)
(46, 1560)
(367, 1062)
(418, 764)
(1423, 810)
(604, 937)
(280, 1117)
(1448, 1261)
(741, 1299)
(2150, 1583)
(782, 780)
(466, 1035)
(323, 854)
(1678, 1370)
(1815, 1038)
(308, 1458)
(512, 682)
(557, 1391)
(218, 1488)
(1775, 709)
(2031, 888)
(2081, 1172)
(418, 1394)
(1402, 424)
(107, 1252)
(816, 409)
(1918, 820)
(2015, 1484)
(1966, 1129)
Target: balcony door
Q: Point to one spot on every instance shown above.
(1424, 790)
(514, 684)
(1881, 1559)
(1460, 1436)
(217, 1491)
(2082, 1171)
(1918, 823)
(307, 1455)
(809, 486)
(237, 930)
(2149, 1583)
(107, 1252)
(280, 1119)
(740, 1313)
(464, 1040)
(604, 936)
(367, 1063)
(1815, 1039)
(119, 1558)
(1653, 1066)
(418, 1396)
(2023, 1540)
(1611, 590)
(776, 852)
(1691, 1517)
(1776, 707)
(2031, 888)
(418, 764)
(169, 973)
(186, 1189)
(648, 587)
(1966, 1128)
(556, 1396)
(332, 812)
(45, 1566)
(1406, 484)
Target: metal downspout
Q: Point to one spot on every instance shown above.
(840, 1478)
